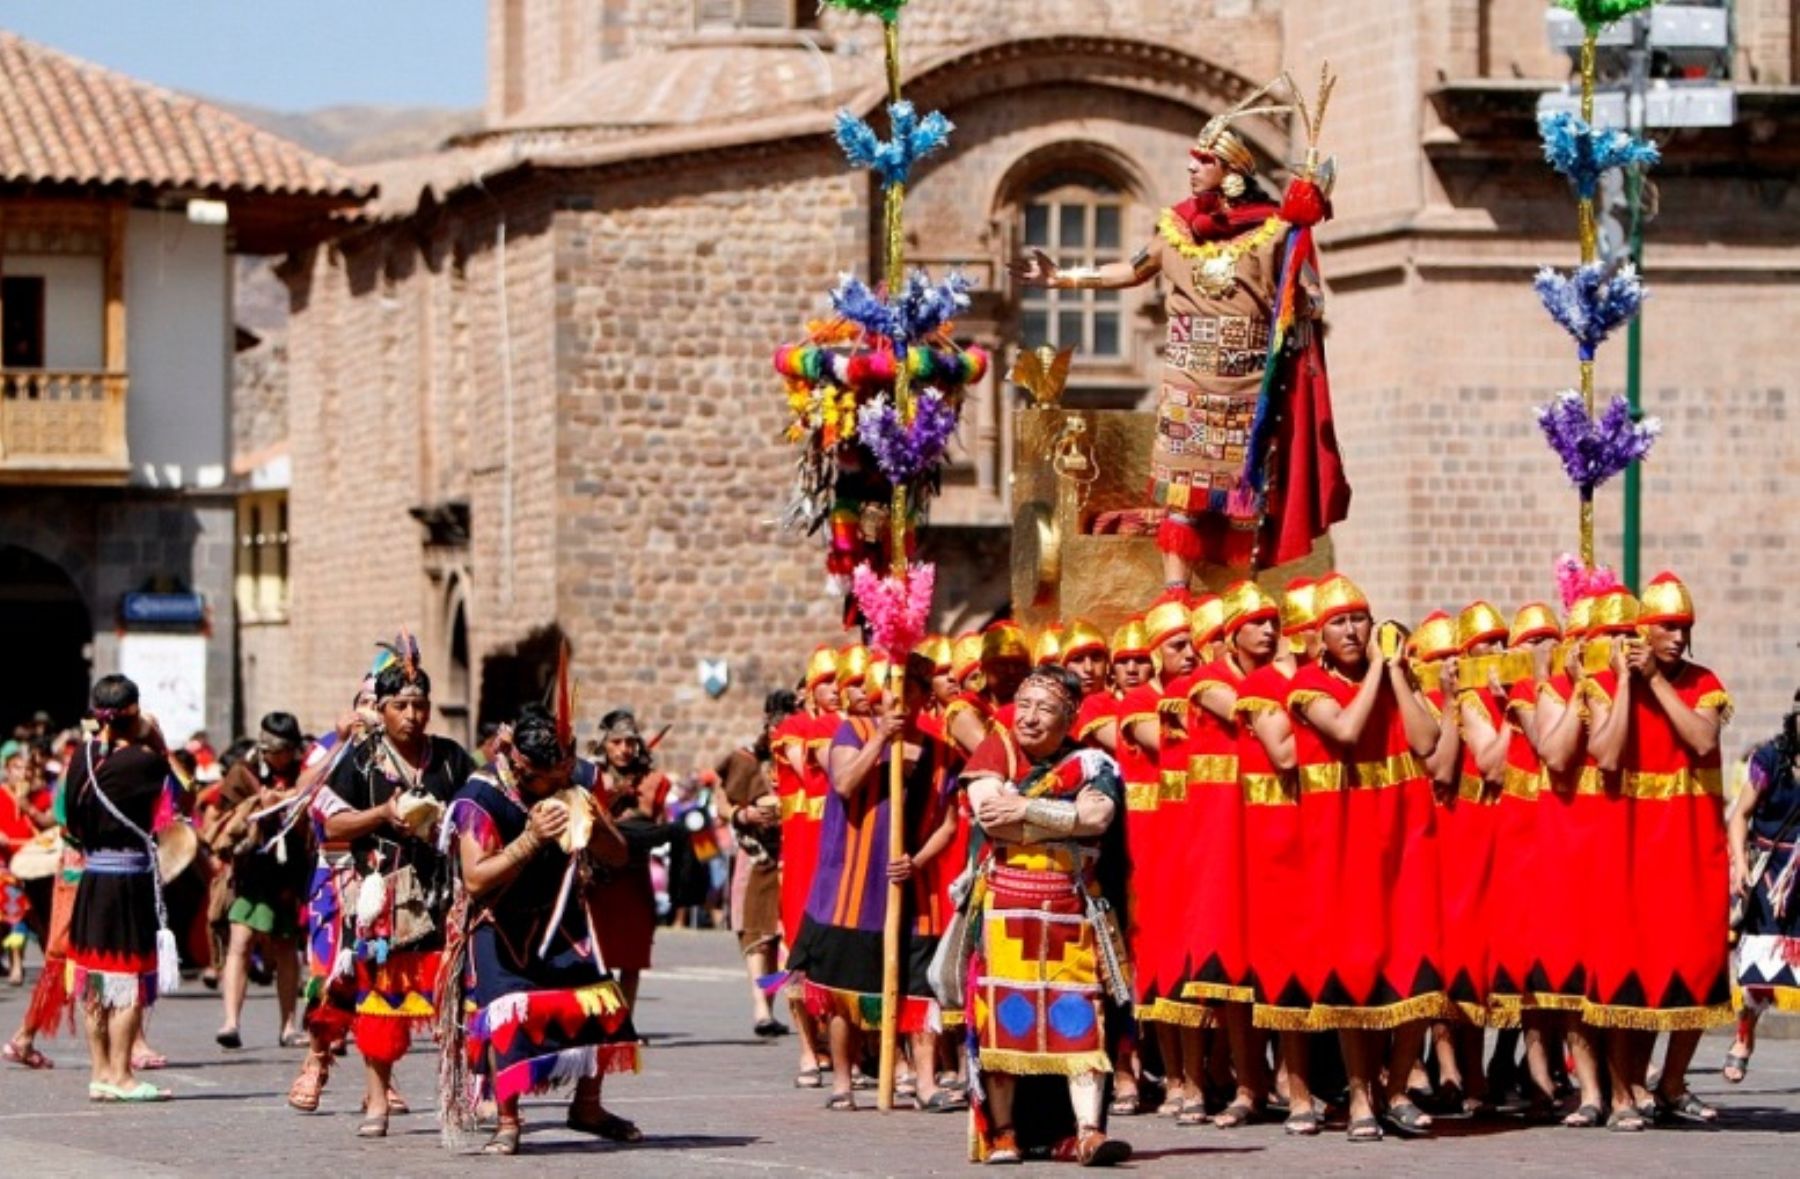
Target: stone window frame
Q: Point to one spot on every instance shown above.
(1094, 198)
(263, 576)
(728, 15)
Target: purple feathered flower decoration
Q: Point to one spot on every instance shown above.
(905, 452)
(923, 307)
(1591, 301)
(1583, 153)
(1593, 451)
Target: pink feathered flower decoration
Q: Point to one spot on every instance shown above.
(1573, 580)
(896, 609)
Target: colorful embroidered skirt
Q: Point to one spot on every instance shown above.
(843, 975)
(1035, 991)
(541, 1022)
(112, 931)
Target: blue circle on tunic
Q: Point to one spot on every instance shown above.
(1072, 1016)
(1017, 1014)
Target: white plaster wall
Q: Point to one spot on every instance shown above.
(74, 305)
(178, 348)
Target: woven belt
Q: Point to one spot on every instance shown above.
(119, 863)
(1217, 345)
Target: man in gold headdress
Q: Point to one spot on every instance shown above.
(1245, 464)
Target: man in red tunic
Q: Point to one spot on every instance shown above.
(1657, 718)
(1218, 935)
(799, 779)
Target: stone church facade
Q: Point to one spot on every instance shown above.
(529, 392)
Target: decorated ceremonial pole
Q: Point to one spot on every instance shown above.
(878, 388)
(894, 199)
(1598, 296)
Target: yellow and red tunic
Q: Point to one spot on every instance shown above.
(799, 827)
(1216, 933)
(1374, 957)
(1467, 824)
(1664, 967)
(1516, 913)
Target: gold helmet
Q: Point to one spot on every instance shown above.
(1336, 594)
(935, 648)
(1003, 641)
(1581, 617)
(1131, 641)
(965, 656)
(1478, 623)
(1615, 612)
(1666, 600)
(1081, 637)
(1164, 621)
(1297, 605)
(1206, 619)
(1246, 602)
(1047, 648)
(1435, 638)
(876, 684)
(853, 665)
(821, 666)
(1534, 621)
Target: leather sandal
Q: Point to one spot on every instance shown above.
(373, 1127)
(304, 1093)
(505, 1140)
(1003, 1148)
(1094, 1149)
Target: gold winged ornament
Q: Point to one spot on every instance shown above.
(1043, 372)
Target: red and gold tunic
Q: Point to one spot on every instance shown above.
(1277, 927)
(1579, 860)
(1147, 900)
(1215, 934)
(1666, 968)
(798, 737)
(1516, 912)
(1166, 875)
(1374, 957)
(1467, 823)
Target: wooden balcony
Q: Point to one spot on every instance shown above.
(65, 427)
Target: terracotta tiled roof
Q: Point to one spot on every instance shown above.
(67, 121)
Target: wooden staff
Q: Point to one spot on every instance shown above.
(894, 202)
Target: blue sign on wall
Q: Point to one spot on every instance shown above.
(163, 610)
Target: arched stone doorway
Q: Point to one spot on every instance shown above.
(49, 638)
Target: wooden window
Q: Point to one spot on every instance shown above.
(749, 14)
(262, 566)
(1079, 220)
(22, 310)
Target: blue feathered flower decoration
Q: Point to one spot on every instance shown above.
(1590, 302)
(923, 307)
(892, 159)
(1582, 153)
(1594, 451)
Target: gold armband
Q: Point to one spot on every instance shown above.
(1047, 819)
(1078, 278)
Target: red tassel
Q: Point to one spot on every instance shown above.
(1174, 536)
(50, 1008)
(382, 1039)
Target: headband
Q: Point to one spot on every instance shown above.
(1043, 679)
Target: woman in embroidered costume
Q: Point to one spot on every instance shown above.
(1574, 818)
(121, 953)
(1049, 947)
(839, 951)
(1361, 734)
(1657, 718)
(385, 802)
(1765, 831)
(1278, 931)
(1517, 918)
(543, 1008)
(1217, 931)
(329, 999)
(635, 794)
(1245, 461)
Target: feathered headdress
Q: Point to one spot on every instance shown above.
(404, 650)
(1217, 138)
(562, 699)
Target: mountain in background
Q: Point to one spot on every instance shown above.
(359, 134)
(350, 135)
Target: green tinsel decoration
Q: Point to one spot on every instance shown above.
(1594, 14)
(887, 10)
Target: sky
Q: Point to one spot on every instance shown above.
(289, 55)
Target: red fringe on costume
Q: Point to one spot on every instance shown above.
(382, 1039)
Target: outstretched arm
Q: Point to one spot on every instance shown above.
(1037, 269)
